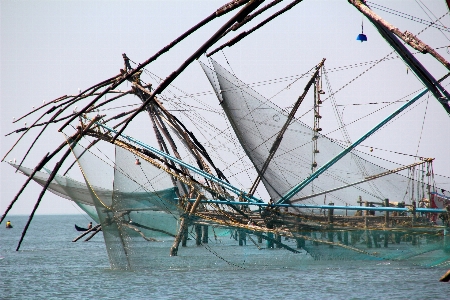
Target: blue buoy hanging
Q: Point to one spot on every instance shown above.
(362, 37)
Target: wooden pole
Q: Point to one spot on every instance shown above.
(406, 36)
(246, 33)
(205, 234)
(94, 233)
(330, 238)
(84, 233)
(330, 214)
(278, 239)
(386, 214)
(300, 243)
(30, 177)
(222, 10)
(366, 213)
(445, 277)
(53, 174)
(185, 236)
(44, 189)
(183, 225)
(250, 6)
(368, 239)
(280, 135)
(198, 234)
(269, 236)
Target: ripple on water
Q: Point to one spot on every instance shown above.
(50, 266)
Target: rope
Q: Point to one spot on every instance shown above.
(407, 16)
(423, 123)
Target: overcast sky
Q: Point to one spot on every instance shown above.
(52, 48)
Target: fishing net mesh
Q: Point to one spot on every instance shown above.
(145, 242)
(65, 187)
(141, 203)
(140, 219)
(257, 121)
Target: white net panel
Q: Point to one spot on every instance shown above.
(256, 122)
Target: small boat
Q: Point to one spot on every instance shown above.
(80, 228)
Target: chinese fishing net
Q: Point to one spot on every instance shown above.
(139, 210)
(256, 122)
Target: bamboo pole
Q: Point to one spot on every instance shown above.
(86, 232)
(281, 133)
(52, 120)
(198, 234)
(97, 230)
(445, 277)
(246, 33)
(52, 175)
(205, 234)
(183, 224)
(38, 167)
(427, 79)
(386, 214)
(222, 10)
(250, 17)
(103, 83)
(37, 137)
(251, 5)
(406, 36)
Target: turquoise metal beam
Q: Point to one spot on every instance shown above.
(326, 166)
(336, 207)
(208, 176)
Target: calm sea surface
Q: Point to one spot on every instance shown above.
(50, 266)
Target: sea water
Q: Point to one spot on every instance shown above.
(50, 266)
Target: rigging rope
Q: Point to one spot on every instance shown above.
(438, 20)
(407, 16)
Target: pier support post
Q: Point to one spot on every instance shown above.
(205, 234)
(198, 235)
(368, 239)
(346, 238)
(260, 238)
(185, 236)
(414, 240)
(330, 236)
(386, 214)
(366, 213)
(242, 237)
(300, 243)
(183, 225)
(278, 239)
(397, 238)
(270, 236)
(330, 213)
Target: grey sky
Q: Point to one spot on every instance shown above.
(52, 48)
